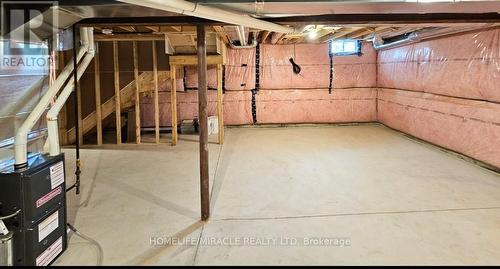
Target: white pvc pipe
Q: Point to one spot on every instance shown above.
(240, 29)
(52, 114)
(211, 13)
(21, 139)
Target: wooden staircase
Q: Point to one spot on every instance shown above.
(127, 98)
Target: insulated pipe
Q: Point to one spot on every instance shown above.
(21, 139)
(211, 13)
(53, 136)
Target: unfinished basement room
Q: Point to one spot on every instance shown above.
(250, 132)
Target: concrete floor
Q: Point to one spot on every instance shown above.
(393, 200)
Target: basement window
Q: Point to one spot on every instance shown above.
(344, 47)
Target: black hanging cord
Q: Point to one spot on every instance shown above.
(296, 67)
(223, 79)
(77, 127)
(331, 74)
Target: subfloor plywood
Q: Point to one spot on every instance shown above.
(394, 200)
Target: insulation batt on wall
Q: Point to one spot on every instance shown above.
(284, 97)
(445, 91)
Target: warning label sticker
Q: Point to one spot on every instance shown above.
(47, 197)
(47, 226)
(50, 253)
(57, 174)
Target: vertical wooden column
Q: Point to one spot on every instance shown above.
(220, 104)
(117, 94)
(157, 105)
(203, 118)
(137, 96)
(97, 80)
(173, 103)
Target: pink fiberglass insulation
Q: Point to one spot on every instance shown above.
(316, 106)
(465, 66)
(314, 60)
(284, 97)
(445, 91)
(237, 109)
(467, 126)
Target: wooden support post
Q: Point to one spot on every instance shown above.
(157, 105)
(98, 112)
(117, 94)
(220, 104)
(173, 103)
(203, 119)
(137, 98)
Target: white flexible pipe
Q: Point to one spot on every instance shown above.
(21, 139)
(52, 114)
(211, 13)
(240, 29)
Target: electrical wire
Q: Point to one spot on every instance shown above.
(11, 215)
(100, 252)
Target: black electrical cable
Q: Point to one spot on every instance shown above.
(330, 86)
(77, 127)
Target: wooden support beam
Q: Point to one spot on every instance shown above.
(220, 104)
(137, 96)
(116, 69)
(97, 81)
(193, 60)
(222, 34)
(157, 104)
(276, 37)
(173, 103)
(263, 36)
(127, 28)
(203, 118)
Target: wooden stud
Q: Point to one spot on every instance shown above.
(193, 60)
(137, 96)
(157, 105)
(220, 104)
(97, 76)
(116, 69)
(173, 103)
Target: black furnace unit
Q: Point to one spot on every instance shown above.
(38, 195)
